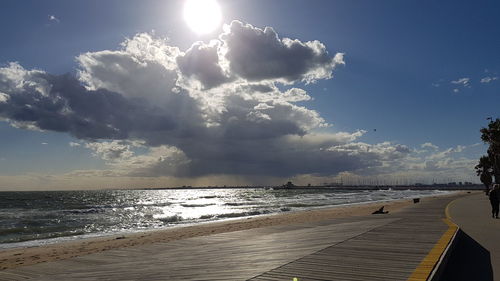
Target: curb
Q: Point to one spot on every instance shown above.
(432, 266)
(440, 266)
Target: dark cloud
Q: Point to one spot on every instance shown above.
(282, 157)
(66, 106)
(257, 54)
(201, 61)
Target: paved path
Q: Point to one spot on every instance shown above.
(473, 215)
(373, 247)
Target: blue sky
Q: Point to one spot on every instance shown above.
(415, 72)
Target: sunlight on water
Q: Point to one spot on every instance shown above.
(31, 218)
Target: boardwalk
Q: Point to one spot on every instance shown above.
(373, 247)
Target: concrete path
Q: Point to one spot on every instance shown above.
(373, 247)
(473, 215)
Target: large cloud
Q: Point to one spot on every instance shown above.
(255, 54)
(149, 109)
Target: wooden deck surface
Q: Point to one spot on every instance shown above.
(373, 247)
(390, 252)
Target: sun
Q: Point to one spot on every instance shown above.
(202, 16)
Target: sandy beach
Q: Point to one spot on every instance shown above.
(16, 257)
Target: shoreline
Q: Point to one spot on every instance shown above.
(244, 215)
(15, 257)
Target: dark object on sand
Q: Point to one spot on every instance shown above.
(416, 200)
(380, 211)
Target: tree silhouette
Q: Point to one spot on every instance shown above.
(484, 170)
(490, 164)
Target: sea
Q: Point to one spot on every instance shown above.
(30, 219)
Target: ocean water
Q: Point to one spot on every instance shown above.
(36, 218)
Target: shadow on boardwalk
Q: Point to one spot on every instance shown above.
(468, 261)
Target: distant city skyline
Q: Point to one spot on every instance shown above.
(120, 94)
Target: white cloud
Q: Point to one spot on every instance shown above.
(110, 151)
(321, 141)
(263, 106)
(462, 81)
(423, 165)
(53, 18)
(488, 79)
(447, 152)
(144, 68)
(295, 95)
(380, 151)
(161, 160)
(44, 143)
(123, 161)
(4, 97)
(74, 144)
(339, 58)
(429, 145)
(257, 116)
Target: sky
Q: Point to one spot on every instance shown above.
(123, 94)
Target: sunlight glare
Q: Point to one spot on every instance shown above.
(202, 16)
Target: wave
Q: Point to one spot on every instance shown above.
(305, 205)
(84, 211)
(21, 235)
(196, 205)
(171, 219)
(206, 217)
(241, 203)
(243, 214)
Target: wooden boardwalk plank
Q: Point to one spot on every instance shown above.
(390, 252)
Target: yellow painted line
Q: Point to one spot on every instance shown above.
(447, 210)
(426, 266)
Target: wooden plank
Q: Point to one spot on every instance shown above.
(377, 254)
